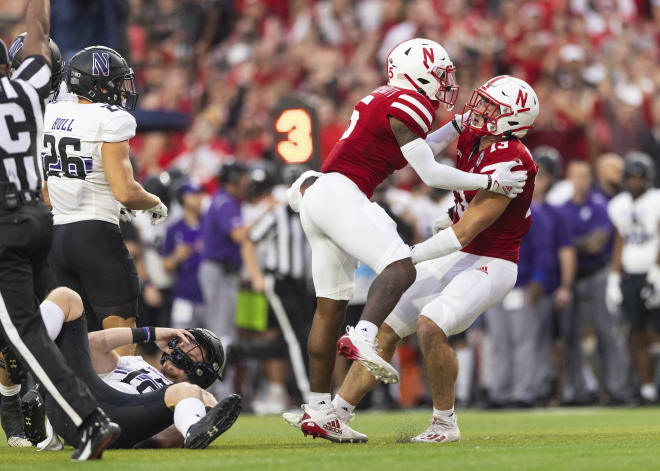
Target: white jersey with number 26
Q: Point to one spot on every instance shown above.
(133, 375)
(71, 151)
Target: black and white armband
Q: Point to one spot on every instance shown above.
(143, 334)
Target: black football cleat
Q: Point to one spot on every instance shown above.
(96, 434)
(34, 417)
(216, 422)
(11, 420)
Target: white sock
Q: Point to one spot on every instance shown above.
(9, 391)
(53, 317)
(276, 389)
(188, 412)
(343, 408)
(366, 328)
(320, 401)
(443, 414)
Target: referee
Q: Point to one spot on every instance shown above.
(278, 242)
(26, 230)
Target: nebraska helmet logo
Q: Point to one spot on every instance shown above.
(521, 99)
(428, 54)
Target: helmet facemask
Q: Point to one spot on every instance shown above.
(447, 85)
(202, 373)
(123, 89)
(484, 113)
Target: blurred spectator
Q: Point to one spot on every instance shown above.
(515, 325)
(182, 255)
(591, 231)
(558, 274)
(77, 24)
(278, 244)
(222, 233)
(609, 173)
(634, 282)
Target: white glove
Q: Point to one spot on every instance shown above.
(460, 119)
(443, 222)
(504, 181)
(613, 294)
(126, 215)
(653, 277)
(158, 213)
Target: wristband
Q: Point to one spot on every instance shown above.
(143, 334)
(490, 181)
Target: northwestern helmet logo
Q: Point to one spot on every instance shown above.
(100, 63)
(13, 50)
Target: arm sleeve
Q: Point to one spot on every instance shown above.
(35, 72)
(119, 126)
(416, 112)
(420, 157)
(438, 140)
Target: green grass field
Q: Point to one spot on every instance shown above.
(584, 439)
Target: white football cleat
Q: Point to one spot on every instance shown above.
(295, 419)
(440, 431)
(326, 424)
(18, 441)
(52, 441)
(356, 346)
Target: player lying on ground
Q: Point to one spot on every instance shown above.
(476, 269)
(154, 408)
(389, 129)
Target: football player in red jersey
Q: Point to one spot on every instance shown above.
(478, 255)
(389, 129)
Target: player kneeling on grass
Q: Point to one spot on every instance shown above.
(155, 409)
(477, 265)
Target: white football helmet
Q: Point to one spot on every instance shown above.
(424, 66)
(504, 105)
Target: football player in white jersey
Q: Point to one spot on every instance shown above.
(634, 283)
(156, 408)
(89, 178)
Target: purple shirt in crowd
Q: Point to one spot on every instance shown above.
(584, 219)
(186, 285)
(560, 237)
(535, 250)
(223, 216)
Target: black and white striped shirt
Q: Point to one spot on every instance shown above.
(22, 103)
(281, 240)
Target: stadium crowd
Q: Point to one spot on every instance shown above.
(211, 71)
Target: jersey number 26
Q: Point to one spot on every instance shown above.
(56, 161)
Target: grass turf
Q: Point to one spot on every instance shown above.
(584, 439)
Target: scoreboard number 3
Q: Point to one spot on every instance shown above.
(299, 145)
